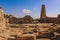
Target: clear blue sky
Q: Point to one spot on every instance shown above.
(16, 7)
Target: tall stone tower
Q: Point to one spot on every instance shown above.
(43, 12)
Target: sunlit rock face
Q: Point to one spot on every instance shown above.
(3, 21)
(5, 30)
